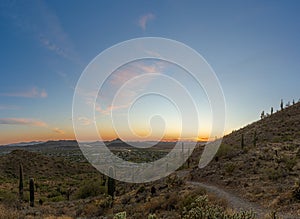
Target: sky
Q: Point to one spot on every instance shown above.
(252, 46)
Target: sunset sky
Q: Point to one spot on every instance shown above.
(253, 47)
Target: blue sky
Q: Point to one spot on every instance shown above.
(253, 47)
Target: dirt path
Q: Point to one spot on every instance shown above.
(235, 202)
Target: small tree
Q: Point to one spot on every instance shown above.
(272, 110)
(293, 102)
(281, 104)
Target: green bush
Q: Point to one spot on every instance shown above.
(90, 189)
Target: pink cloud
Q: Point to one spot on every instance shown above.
(143, 21)
(110, 108)
(31, 93)
(58, 131)
(134, 69)
(22, 121)
(85, 121)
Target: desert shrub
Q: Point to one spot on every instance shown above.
(154, 204)
(274, 174)
(89, 189)
(223, 151)
(289, 162)
(229, 167)
(104, 202)
(141, 189)
(58, 198)
(174, 180)
(272, 215)
(8, 198)
(152, 216)
(296, 191)
(6, 213)
(298, 153)
(120, 215)
(186, 201)
(92, 210)
(202, 209)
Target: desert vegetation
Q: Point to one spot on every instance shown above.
(258, 163)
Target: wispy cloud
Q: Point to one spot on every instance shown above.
(59, 131)
(85, 121)
(39, 20)
(134, 69)
(143, 21)
(33, 92)
(110, 108)
(22, 121)
(124, 77)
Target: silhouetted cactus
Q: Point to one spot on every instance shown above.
(255, 138)
(153, 190)
(111, 187)
(31, 192)
(281, 104)
(21, 185)
(272, 110)
(262, 115)
(242, 142)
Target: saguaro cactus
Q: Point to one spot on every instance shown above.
(242, 141)
(255, 138)
(21, 185)
(111, 183)
(31, 192)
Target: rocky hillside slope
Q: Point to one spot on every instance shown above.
(260, 162)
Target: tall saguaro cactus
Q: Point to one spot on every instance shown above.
(111, 183)
(31, 192)
(255, 138)
(21, 185)
(242, 142)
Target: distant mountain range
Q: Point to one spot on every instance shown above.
(22, 144)
(116, 143)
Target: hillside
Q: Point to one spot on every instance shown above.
(56, 178)
(36, 165)
(265, 168)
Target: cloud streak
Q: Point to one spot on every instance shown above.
(44, 26)
(22, 121)
(58, 131)
(134, 69)
(31, 93)
(143, 21)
